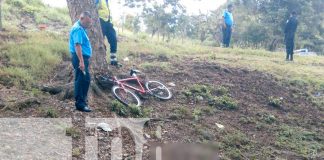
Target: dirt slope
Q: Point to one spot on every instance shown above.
(253, 130)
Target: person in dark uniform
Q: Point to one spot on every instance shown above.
(108, 29)
(290, 30)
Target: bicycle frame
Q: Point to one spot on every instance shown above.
(122, 83)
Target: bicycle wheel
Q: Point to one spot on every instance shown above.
(126, 96)
(158, 90)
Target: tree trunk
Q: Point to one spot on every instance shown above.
(273, 45)
(0, 16)
(76, 7)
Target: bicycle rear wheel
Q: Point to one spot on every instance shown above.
(126, 96)
(158, 90)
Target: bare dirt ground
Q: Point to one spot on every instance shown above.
(250, 89)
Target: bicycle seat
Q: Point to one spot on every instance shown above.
(134, 72)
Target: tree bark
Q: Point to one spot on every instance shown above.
(0, 15)
(76, 7)
(273, 45)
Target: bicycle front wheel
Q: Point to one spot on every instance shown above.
(126, 96)
(158, 90)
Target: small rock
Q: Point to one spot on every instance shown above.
(220, 126)
(126, 59)
(147, 136)
(101, 138)
(104, 126)
(172, 84)
(200, 98)
(227, 70)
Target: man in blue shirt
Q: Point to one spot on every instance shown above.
(227, 25)
(80, 48)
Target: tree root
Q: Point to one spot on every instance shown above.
(29, 102)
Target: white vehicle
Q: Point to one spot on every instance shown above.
(304, 52)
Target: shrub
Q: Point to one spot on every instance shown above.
(16, 3)
(135, 111)
(196, 113)
(234, 154)
(275, 102)
(31, 10)
(269, 118)
(131, 110)
(199, 92)
(119, 108)
(224, 102)
(221, 90)
(51, 113)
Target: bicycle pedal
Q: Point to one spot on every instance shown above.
(143, 96)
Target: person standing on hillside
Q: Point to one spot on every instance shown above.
(227, 25)
(290, 30)
(108, 29)
(81, 51)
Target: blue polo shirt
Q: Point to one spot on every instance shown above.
(228, 18)
(78, 35)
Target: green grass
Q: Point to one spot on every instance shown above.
(305, 72)
(137, 44)
(224, 102)
(234, 143)
(164, 66)
(13, 10)
(305, 143)
(129, 111)
(32, 59)
(73, 132)
(198, 90)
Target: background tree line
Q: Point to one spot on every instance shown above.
(258, 23)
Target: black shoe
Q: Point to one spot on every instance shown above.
(115, 63)
(84, 109)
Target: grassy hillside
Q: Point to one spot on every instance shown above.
(304, 72)
(28, 58)
(287, 106)
(28, 14)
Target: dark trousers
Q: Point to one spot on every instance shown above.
(81, 81)
(109, 32)
(290, 43)
(227, 34)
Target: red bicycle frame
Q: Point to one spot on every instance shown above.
(122, 83)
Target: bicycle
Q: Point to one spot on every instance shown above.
(123, 91)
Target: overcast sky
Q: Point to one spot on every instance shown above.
(193, 6)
